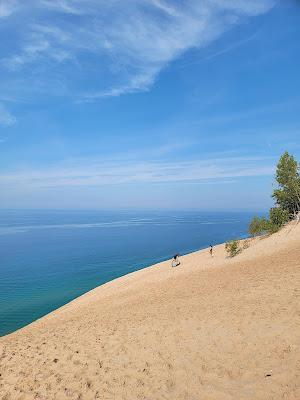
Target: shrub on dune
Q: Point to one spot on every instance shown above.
(233, 248)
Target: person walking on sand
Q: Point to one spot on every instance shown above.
(211, 250)
(175, 261)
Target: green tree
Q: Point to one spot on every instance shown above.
(278, 217)
(258, 226)
(287, 195)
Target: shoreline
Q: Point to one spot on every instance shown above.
(164, 263)
(119, 281)
(215, 328)
(42, 279)
(130, 276)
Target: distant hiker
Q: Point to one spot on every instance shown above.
(211, 250)
(175, 261)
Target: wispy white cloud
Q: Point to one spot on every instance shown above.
(8, 7)
(265, 110)
(166, 7)
(221, 52)
(123, 46)
(64, 6)
(99, 173)
(135, 84)
(6, 117)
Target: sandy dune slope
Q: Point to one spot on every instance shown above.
(211, 329)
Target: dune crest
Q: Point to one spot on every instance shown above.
(212, 328)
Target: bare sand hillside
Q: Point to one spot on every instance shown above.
(211, 329)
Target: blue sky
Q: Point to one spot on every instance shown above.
(146, 103)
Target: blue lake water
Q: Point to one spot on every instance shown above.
(48, 258)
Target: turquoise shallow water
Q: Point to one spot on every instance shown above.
(48, 258)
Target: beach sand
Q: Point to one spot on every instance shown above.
(212, 329)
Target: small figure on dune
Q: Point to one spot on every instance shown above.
(175, 261)
(211, 250)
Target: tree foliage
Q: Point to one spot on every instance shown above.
(258, 226)
(278, 217)
(287, 194)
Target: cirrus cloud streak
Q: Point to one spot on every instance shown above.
(121, 47)
(99, 173)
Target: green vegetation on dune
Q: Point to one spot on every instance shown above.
(233, 247)
(287, 204)
(286, 195)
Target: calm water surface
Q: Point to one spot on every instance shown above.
(48, 258)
